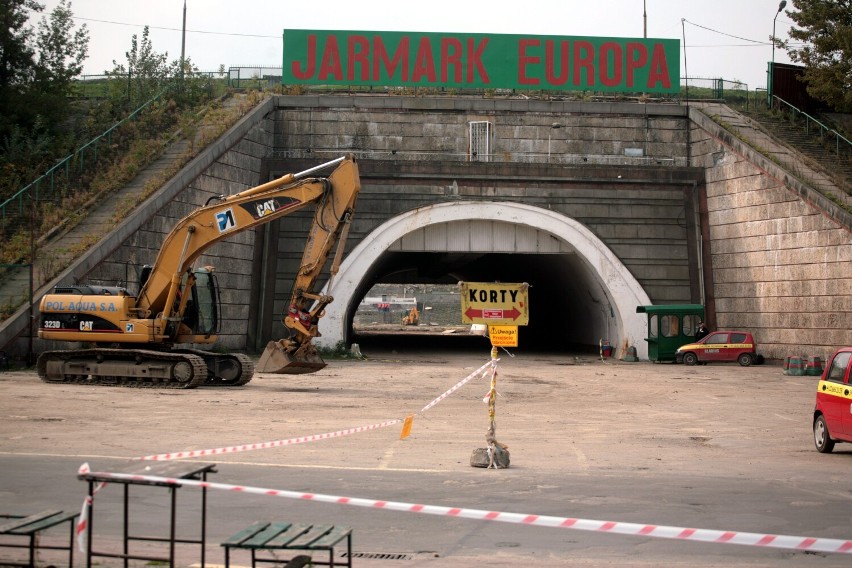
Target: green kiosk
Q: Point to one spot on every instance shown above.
(669, 327)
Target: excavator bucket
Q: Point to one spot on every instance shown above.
(281, 358)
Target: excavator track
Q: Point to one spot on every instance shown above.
(224, 369)
(123, 367)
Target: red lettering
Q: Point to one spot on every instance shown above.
(449, 45)
(474, 60)
(637, 57)
(380, 56)
(582, 62)
(358, 51)
(312, 61)
(659, 71)
(424, 63)
(524, 60)
(610, 53)
(550, 62)
(330, 64)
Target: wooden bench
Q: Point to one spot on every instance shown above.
(29, 527)
(276, 536)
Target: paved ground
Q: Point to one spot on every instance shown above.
(716, 447)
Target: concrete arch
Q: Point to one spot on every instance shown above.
(623, 290)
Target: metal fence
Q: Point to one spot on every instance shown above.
(49, 185)
(842, 145)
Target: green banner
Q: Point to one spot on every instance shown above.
(482, 61)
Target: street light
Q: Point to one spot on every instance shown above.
(771, 89)
(553, 127)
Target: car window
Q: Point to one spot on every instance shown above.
(717, 338)
(839, 366)
(738, 337)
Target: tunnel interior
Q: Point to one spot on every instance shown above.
(568, 308)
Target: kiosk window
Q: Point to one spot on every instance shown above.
(690, 325)
(670, 326)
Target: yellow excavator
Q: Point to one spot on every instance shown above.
(137, 340)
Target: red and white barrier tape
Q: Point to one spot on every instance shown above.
(800, 543)
(82, 523)
(267, 445)
(315, 437)
(477, 373)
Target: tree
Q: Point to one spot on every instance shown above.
(147, 71)
(61, 50)
(825, 28)
(36, 69)
(60, 54)
(16, 59)
(36, 72)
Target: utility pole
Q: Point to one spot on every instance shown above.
(644, 20)
(183, 45)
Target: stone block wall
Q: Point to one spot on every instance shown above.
(398, 126)
(781, 267)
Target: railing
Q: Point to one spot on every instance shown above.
(781, 104)
(14, 207)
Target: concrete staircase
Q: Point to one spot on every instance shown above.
(101, 230)
(820, 151)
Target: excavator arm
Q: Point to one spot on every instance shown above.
(165, 293)
(227, 216)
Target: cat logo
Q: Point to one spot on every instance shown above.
(261, 208)
(265, 208)
(87, 325)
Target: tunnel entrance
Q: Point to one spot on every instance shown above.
(560, 306)
(580, 291)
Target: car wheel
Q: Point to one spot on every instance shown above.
(822, 439)
(744, 359)
(690, 358)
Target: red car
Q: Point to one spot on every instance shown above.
(720, 346)
(833, 411)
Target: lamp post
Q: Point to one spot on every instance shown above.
(771, 87)
(553, 127)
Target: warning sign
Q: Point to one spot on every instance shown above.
(503, 335)
(495, 304)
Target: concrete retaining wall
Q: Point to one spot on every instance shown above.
(781, 266)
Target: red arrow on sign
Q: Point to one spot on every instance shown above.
(512, 314)
(471, 313)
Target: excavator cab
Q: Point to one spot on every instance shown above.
(201, 314)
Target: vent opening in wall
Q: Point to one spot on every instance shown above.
(480, 141)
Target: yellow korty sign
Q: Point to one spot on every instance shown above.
(495, 304)
(503, 335)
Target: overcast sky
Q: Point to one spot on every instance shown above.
(248, 32)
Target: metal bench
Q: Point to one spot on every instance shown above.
(29, 527)
(288, 536)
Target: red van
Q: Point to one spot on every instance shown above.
(833, 411)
